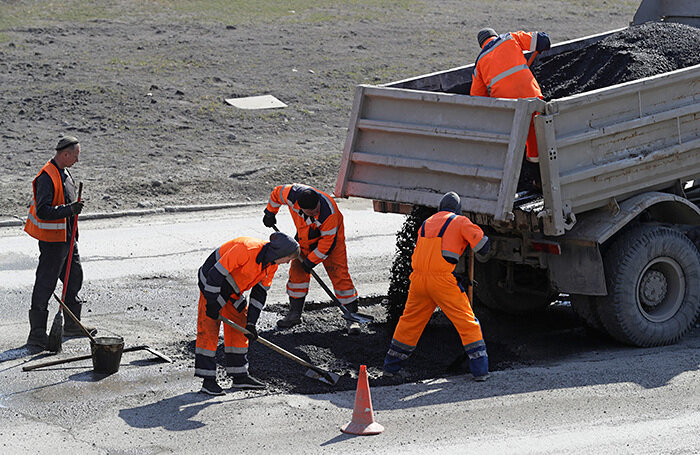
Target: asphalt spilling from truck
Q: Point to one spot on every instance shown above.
(634, 53)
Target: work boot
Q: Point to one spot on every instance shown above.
(352, 327)
(245, 382)
(398, 377)
(37, 328)
(482, 378)
(211, 387)
(293, 317)
(70, 328)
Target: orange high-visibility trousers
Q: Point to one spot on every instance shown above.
(336, 265)
(235, 343)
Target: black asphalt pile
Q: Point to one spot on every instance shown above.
(631, 54)
(401, 267)
(511, 341)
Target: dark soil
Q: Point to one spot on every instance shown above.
(511, 342)
(637, 52)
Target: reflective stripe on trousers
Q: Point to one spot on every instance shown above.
(235, 343)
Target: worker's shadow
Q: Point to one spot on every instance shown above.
(173, 414)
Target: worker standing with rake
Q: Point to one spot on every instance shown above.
(51, 216)
(236, 266)
(441, 241)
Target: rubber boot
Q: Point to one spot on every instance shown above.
(70, 328)
(37, 328)
(293, 317)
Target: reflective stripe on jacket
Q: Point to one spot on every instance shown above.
(449, 234)
(316, 235)
(47, 230)
(501, 70)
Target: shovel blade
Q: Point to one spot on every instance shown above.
(326, 376)
(358, 317)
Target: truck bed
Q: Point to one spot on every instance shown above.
(411, 141)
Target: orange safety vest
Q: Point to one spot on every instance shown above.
(328, 226)
(501, 71)
(48, 230)
(238, 265)
(444, 234)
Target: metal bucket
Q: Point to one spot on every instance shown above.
(107, 354)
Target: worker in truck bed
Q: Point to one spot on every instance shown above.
(441, 241)
(321, 235)
(236, 266)
(501, 71)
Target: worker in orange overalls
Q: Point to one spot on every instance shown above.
(236, 266)
(321, 236)
(441, 241)
(501, 71)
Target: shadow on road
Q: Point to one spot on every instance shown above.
(173, 414)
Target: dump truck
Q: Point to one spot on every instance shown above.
(617, 227)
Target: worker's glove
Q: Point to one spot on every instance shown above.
(213, 309)
(314, 233)
(253, 335)
(307, 265)
(269, 219)
(76, 207)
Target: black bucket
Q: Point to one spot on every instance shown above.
(107, 354)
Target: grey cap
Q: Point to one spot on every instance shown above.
(484, 34)
(66, 141)
(280, 245)
(451, 202)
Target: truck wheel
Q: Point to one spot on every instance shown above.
(653, 280)
(528, 292)
(585, 307)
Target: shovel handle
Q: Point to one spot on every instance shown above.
(70, 250)
(276, 348)
(77, 321)
(362, 319)
(88, 356)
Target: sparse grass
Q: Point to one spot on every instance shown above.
(26, 13)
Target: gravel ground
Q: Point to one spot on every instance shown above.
(144, 90)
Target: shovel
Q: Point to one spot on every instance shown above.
(312, 372)
(354, 317)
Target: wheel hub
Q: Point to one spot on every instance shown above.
(653, 288)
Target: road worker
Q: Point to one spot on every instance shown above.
(50, 221)
(442, 239)
(236, 266)
(501, 71)
(321, 236)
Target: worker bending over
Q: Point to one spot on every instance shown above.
(321, 236)
(236, 266)
(501, 71)
(441, 241)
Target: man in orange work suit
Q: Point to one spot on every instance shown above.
(501, 71)
(236, 266)
(321, 236)
(441, 241)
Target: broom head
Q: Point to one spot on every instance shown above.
(55, 341)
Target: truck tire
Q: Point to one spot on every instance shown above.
(532, 292)
(653, 280)
(586, 308)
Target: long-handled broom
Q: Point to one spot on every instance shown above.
(55, 341)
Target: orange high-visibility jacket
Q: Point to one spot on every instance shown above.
(48, 230)
(235, 263)
(501, 70)
(324, 231)
(456, 231)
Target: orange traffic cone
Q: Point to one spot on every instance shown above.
(362, 422)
